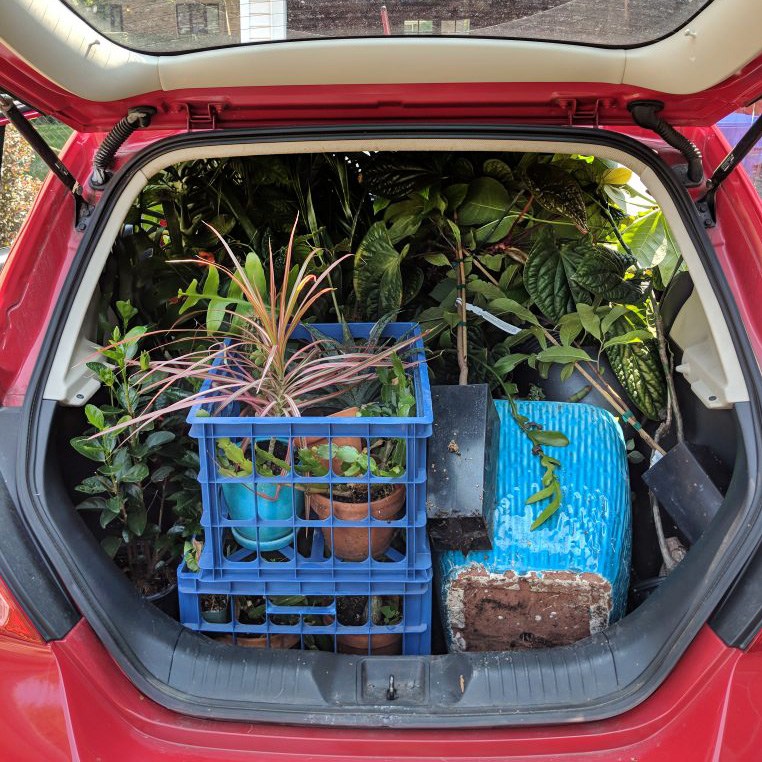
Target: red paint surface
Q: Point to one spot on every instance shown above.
(536, 102)
(69, 698)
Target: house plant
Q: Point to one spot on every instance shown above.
(249, 363)
(360, 500)
(141, 482)
(374, 611)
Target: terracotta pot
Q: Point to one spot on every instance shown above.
(351, 543)
(356, 442)
(384, 644)
(278, 640)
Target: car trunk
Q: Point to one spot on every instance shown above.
(529, 92)
(602, 672)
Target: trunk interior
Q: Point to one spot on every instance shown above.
(473, 668)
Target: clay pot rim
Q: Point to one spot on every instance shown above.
(381, 505)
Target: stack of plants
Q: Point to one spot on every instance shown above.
(536, 274)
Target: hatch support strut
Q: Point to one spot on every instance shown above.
(11, 112)
(707, 203)
(646, 114)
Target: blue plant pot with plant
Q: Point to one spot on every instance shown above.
(262, 503)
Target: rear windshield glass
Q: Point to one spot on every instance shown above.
(173, 26)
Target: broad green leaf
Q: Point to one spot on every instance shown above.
(126, 311)
(131, 340)
(377, 273)
(651, 243)
(614, 313)
(95, 417)
(455, 195)
(90, 448)
(93, 485)
(487, 201)
(560, 354)
(162, 473)
(493, 232)
(637, 366)
(492, 262)
(566, 372)
(111, 545)
(549, 510)
(412, 282)
(507, 363)
(136, 520)
(255, 273)
(601, 272)
(502, 305)
(570, 326)
(549, 277)
(548, 438)
(542, 494)
(590, 320)
(158, 438)
(631, 337)
(558, 192)
(485, 288)
(135, 474)
(499, 170)
(104, 373)
(617, 176)
(438, 259)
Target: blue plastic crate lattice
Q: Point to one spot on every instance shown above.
(304, 613)
(282, 548)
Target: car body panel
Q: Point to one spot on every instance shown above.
(55, 61)
(68, 700)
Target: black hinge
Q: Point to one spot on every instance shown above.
(707, 203)
(82, 209)
(202, 116)
(583, 113)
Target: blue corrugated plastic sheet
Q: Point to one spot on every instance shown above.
(591, 531)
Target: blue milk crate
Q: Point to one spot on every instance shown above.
(281, 538)
(304, 614)
(569, 577)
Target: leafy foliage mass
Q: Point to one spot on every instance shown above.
(567, 248)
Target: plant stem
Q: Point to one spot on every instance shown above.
(462, 332)
(518, 219)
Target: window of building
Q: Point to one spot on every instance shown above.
(456, 26)
(191, 18)
(212, 18)
(419, 26)
(116, 21)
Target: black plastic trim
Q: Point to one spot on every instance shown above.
(23, 566)
(599, 677)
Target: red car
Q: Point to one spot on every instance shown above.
(88, 669)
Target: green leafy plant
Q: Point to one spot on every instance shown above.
(142, 478)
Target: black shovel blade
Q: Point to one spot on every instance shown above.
(681, 482)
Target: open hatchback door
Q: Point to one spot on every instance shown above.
(578, 62)
(417, 107)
